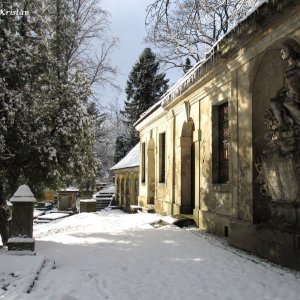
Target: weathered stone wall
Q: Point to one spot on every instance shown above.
(248, 75)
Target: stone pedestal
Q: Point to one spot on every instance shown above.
(280, 247)
(87, 205)
(21, 234)
(280, 178)
(67, 200)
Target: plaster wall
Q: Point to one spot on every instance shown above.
(247, 79)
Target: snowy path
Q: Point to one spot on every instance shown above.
(119, 256)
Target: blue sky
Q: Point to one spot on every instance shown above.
(128, 24)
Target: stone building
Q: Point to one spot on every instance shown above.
(126, 173)
(214, 146)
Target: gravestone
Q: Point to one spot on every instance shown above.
(21, 233)
(87, 205)
(67, 199)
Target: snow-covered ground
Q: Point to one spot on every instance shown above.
(113, 255)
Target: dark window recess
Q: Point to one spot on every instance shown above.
(223, 143)
(226, 231)
(143, 163)
(162, 157)
(220, 144)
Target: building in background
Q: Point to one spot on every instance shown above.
(126, 173)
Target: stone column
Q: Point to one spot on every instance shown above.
(21, 234)
(185, 174)
(196, 141)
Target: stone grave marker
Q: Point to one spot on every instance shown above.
(21, 233)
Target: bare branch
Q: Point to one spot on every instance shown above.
(88, 43)
(188, 28)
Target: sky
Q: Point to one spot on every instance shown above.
(120, 256)
(128, 24)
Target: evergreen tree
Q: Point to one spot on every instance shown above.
(23, 58)
(46, 132)
(122, 148)
(145, 86)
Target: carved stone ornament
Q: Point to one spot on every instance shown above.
(279, 166)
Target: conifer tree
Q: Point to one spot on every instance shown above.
(145, 86)
(23, 59)
(47, 134)
(122, 148)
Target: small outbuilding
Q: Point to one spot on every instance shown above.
(126, 173)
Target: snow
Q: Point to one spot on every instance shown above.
(87, 200)
(135, 206)
(23, 194)
(20, 240)
(113, 255)
(53, 216)
(37, 213)
(107, 190)
(70, 189)
(132, 159)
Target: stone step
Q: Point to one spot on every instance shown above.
(104, 195)
(103, 199)
(135, 208)
(102, 203)
(148, 210)
(184, 220)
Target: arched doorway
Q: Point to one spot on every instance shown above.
(122, 200)
(127, 200)
(118, 190)
(187, 148)
(136, 190)
(151, 171)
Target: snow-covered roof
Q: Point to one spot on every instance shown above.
(201, 67)
(132, 159)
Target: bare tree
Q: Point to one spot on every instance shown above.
(111, 128)
(83, 39)
(188, 28)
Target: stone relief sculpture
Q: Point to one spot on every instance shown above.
(286, 105)
(279, 165)
(283, 119)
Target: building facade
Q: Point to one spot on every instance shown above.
(215, 146)
(126, 173)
